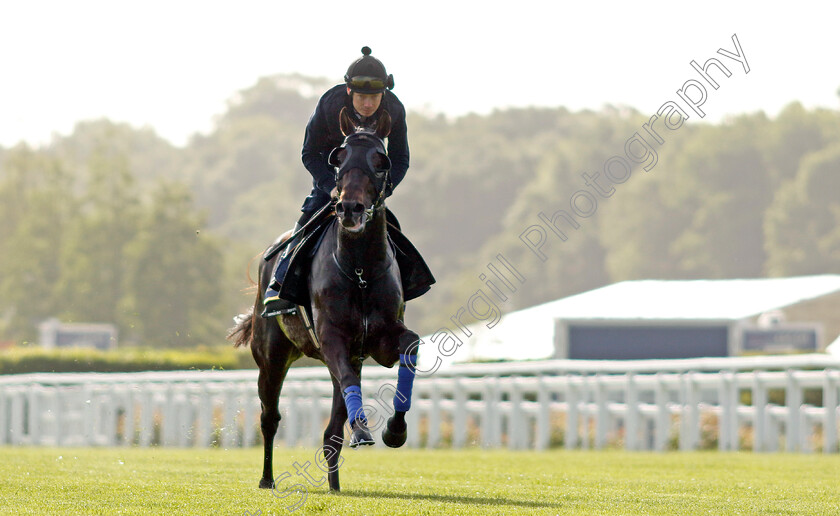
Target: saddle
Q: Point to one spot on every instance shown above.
(416, 277)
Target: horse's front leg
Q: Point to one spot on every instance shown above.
(396, 430)
(334, 436)
(348, 374)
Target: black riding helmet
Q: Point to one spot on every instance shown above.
(367, 75)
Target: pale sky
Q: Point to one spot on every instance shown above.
(172, 65)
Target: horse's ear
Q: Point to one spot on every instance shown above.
(336, 156)
(383, 126)
(381, 161)
(346, 123)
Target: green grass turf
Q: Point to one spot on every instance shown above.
(381, 481)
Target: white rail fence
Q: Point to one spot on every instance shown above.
(785, 403)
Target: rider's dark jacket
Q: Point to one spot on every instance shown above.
(323, 134)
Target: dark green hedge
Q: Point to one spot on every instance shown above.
(37, 360)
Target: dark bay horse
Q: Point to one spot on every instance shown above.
(357, 308)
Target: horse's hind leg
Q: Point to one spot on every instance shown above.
(273, 369)
(334, 436)
(269, 389)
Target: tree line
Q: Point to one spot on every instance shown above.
(111, 223)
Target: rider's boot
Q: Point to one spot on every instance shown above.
(273, 304)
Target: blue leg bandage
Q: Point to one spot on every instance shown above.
(353, 402)
(405, 380)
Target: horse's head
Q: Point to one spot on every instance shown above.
(362, 168)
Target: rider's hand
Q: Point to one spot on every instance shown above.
(334, 193)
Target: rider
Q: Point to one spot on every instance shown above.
(366, 94)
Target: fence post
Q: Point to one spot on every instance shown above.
(542, 438)
(16, 416)
(689, 418)
(516, 414)
(433, 438)
(58, 416)
(583, 413)
(231, 436)
(728, 420)
(793, 400)
(252, 417)
(586, 414)
(805, 430)
(204, 419)
(663, 415)
(186, 416)
(109, 409)
(34, 425)
(412, 419)
(631, 418)
(602, 416)
(735, 402)
(4, 420)
(489, 437)
(572, 412)
(171, 419)
(129, 421)
(772, 425)
(459, 417)
(87, 421)
(759, 403)
(830, 386)
(292, 416)
(316, 431)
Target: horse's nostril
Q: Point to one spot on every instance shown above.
(349, 208)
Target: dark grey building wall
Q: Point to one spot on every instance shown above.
(644, 342)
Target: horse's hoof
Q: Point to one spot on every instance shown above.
(394, 434)
(361, 436)
(266, 484)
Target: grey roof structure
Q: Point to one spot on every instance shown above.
(529, 333)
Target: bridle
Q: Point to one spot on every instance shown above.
(360, 150)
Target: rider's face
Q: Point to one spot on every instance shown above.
(366, 104)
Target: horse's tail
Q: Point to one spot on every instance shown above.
(243, 329)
